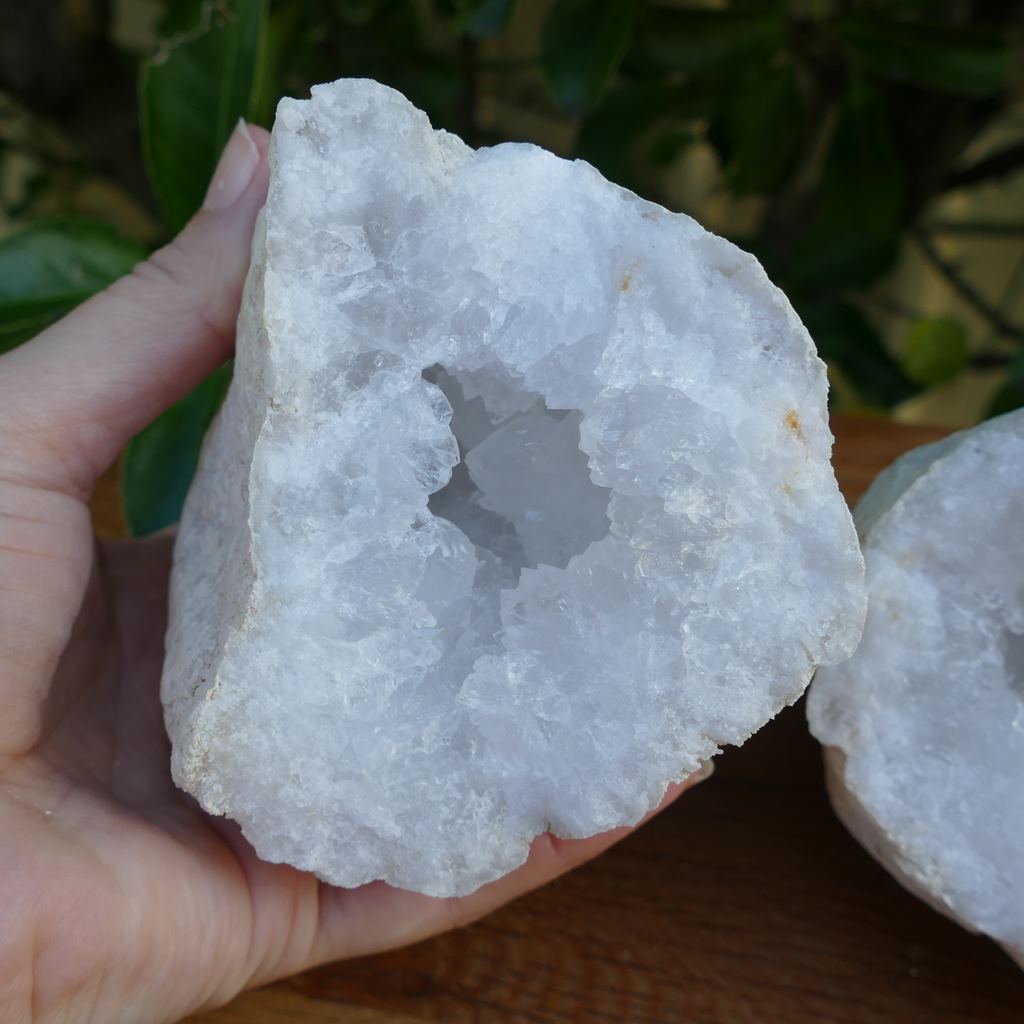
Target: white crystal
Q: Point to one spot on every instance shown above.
(924, 726)
(384, 669)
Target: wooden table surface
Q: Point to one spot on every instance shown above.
(744, 903)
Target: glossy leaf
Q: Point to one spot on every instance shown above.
(846, 338)
(959, 59)
(862, 182)
(479, 18)
(279, 45)
(49, 267)
(666, 148)
(698, 40)
(490, 17)
(582, 45)
(855, 236)
(935, 350)
(608, 136)
(352, 12)
(1011, 395)
(179, 16)
(160, 462)
(764, 123)
(192, 93)
(837, 258)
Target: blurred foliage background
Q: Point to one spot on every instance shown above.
(870, 153)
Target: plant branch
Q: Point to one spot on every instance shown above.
(998, 165)
(965, 289)
(42, 155)
(891, 305)
(1013, 282)
(508, 63)
(990, 361)
(1009, 229)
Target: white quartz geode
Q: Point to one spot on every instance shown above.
(924, 726)
(387, 663)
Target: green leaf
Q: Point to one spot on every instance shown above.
(845, 337)
(352, 12)
(435, 87)
(935, 350)
(192, 93)
(50, 266)
(280, 41)
(862, 184)
(160, 462)
(666, 147)
(178, 16)
(841, 258)
(481, 19)
(855, 236)
(959, 59)
(765, 126)
(582, 45)
(699, 40)
(608, 136)
(35, 185)
(490, 18)
(1011, 395)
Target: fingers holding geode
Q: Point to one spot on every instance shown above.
(73, 396)
(376, 917)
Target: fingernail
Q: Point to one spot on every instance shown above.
(234, 171)
(705, 771)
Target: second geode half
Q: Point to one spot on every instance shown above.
(518, 509)
(923, 727)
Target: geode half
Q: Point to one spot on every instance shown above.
(924, 725)
(518, 509)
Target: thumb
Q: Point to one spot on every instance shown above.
(73, 396)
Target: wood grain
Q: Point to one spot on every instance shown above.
(745, 903)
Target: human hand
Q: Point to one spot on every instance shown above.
(121, 899)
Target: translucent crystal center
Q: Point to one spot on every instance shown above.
(522, 487)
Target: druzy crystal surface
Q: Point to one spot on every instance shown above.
(925, 724)
(519, 508)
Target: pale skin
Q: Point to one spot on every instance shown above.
(120, 899)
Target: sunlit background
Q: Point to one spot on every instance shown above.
(870, 153)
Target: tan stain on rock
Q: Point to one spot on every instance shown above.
(792, 422)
